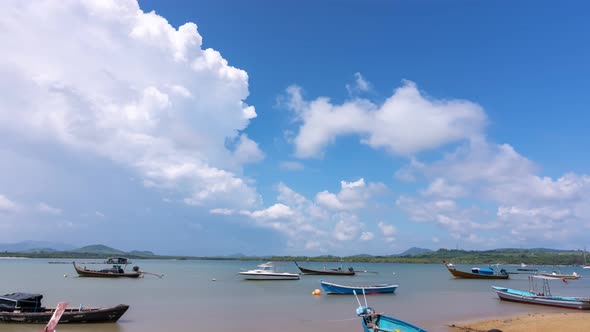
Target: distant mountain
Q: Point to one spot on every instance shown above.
(34, 245)
(38, 250)
(141, 253)
(415, 251)
(99, 249)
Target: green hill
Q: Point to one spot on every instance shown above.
(145, 253)
(99, 249)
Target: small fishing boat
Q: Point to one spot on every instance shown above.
(334, 272)
(524, 268)
(541, 295)
(267, 271)
(332, 288)
(115, 272)
(477, 273)
(26, 308)
(373, 322)
(558, 274)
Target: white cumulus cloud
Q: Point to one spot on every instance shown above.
(367, 236)
(405, 124)
(105, 78)
(352, 195)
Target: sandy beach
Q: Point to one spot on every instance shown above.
(571, 322)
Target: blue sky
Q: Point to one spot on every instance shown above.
(263, 127)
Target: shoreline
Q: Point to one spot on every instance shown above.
(577, 321)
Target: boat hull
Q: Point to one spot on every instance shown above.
(562, 276)
(513, 295)
(468, 275)
(386, 323)
(84, 315)
(326, 272)
(97, 274)
(269, 276)
(332, 288)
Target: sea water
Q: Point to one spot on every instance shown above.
(211, 296)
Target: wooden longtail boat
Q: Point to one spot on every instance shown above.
(59, 310)
(26, 308)
(115, 272)
(373, 322)
(555, 274)
(543, 296)
(477, 273)
(332, 288)
(333, 272)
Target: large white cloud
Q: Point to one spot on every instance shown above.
(406, 123)
(105, 78)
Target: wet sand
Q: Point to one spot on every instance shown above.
(571, 322)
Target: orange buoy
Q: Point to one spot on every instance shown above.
(316, 292)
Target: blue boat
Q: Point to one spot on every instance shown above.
(332, 288)
(373, 322)
(541, 294)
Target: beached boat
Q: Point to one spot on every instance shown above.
(115, 272)
(335, 272)
(477, 273)
(541, 295)
(373, 322)
(26, 308)
(332, 288)
(267, 271)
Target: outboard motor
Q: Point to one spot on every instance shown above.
(350, 269)
(364, 311)
(136, 268)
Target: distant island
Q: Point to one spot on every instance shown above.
(534, 256)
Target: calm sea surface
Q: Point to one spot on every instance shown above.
(187, 299)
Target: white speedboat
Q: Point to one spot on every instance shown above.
(266, 271)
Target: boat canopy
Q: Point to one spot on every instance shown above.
(482, 270)
(23, 300)
(118, 260)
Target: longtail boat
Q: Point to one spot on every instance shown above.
(332, 288)
(26, 308)
(542, 295)
(115, 272)
(373, 322)
(477, 273)
(334, 272)
(556, 274)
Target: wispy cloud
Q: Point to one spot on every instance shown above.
(46, 208)
(291, 165)
(360, 85)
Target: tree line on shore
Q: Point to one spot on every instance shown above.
(496, 256)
